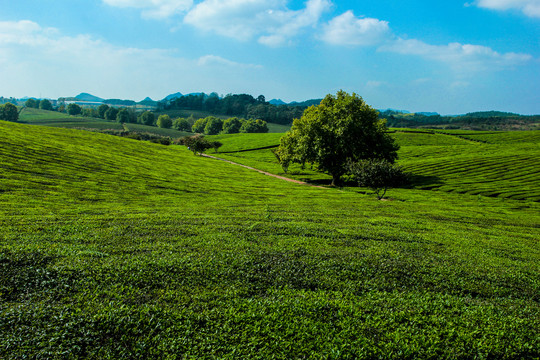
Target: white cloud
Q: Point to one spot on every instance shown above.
(158, 9)
(270, 21)
(218, 60)
(346, 29)
(37, 60)
(462, 57)
(530, 8)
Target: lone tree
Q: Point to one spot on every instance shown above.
(341, 129)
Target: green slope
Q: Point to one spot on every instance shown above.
(121, 249)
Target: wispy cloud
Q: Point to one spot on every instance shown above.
(461, 57)
(530, 8)
(218, 60)
(158, 9)
(72, 63)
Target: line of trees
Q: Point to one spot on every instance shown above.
(212, 125)
(239, 105)
(39, 104)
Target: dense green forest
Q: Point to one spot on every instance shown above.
(241, 105)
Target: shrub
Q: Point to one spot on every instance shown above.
(74, 109)
(181, 124)
(197, 144)
(379, 175)
(164, 121)
(213, 126)
(232, 126)
(199, 126)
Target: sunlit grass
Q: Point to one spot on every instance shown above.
(116, 248)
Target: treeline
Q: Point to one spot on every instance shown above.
(39, 104)
(489, 120)
(212, 126)
(239, 105)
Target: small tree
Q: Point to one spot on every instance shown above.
(122, 116)
(379, 175)
(197, 143)
(181, 124)
(111, 113)
(232, 125)
(9, 112)
(213, 126)
(31, 103)
(199, 125)
(164, 121)
(45, 105)
(254, 126)
(147, 118)
(74, 109)
(102, 109)
(216, 145)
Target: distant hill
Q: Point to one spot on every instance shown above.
(488, 114)
(306, 103)
(277, 102)
(172, 97)
(148, 102)
(119, 102)
(88, 97)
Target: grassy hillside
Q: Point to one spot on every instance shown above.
(120, 249)
(497, 164)
(57, 119)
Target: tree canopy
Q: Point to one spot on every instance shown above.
(9, 112)
(74, 109)
(342, 128)
(164, 121)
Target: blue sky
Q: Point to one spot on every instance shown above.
(452, 56)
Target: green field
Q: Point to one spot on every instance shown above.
(113, 248)
(496, 164)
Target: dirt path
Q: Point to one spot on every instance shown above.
(265, 172)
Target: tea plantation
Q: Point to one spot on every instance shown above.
(112, 248)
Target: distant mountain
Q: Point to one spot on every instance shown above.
(148, 102)
(427, 113)
(277, 102)
(88, 97)
(172, 97)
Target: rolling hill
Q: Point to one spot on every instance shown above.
(118, 249)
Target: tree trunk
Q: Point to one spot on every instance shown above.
(335, 179)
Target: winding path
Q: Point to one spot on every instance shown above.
(265, 172)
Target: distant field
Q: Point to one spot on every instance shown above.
(57, 119)
(118, 249)
(156, 130)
